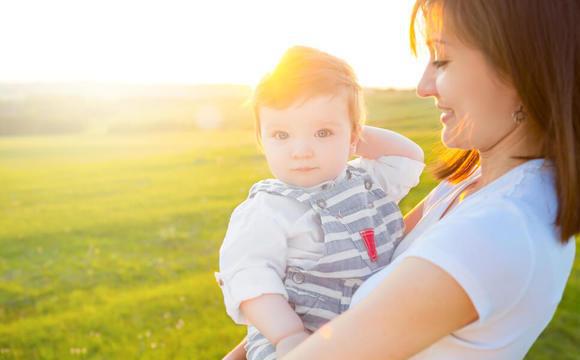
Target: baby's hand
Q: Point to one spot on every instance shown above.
(288, 343)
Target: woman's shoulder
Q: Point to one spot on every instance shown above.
(514, 216)
(502, 241)
(493, 221)
(525, 191)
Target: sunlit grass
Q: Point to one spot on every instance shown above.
(108, 243)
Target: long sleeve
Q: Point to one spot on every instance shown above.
(396, 174)
(253, 255)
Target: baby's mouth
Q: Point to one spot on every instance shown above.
(304, 169)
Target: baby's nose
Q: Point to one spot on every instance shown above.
(302, 149)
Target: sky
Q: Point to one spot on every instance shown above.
(199, 42)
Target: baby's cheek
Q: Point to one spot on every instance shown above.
(338, 162)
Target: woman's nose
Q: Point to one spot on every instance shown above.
(426, 86)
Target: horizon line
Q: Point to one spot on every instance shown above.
(159, 83)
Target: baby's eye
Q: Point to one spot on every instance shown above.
(323, 133)
(280, 135)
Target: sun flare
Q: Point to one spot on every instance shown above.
(198, 42)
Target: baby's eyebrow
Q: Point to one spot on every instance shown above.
(272, 125)
(326, 122)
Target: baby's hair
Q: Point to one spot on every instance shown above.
(304, 73)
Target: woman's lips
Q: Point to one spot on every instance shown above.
(446, 113)
(446, 116)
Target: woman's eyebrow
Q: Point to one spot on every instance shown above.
(431, 42)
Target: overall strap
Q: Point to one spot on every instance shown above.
(277, 187)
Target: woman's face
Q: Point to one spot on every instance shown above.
(476, 106)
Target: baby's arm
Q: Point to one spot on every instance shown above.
(252, 266)
(376, 142)
(272, 315)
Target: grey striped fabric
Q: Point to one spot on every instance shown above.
(346, 208)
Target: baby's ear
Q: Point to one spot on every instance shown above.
(353, 144)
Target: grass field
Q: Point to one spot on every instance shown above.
(108, 243)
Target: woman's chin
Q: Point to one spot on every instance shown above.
(452, 141)
(456, 147)
(446, 139)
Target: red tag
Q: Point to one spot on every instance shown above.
(368, 236)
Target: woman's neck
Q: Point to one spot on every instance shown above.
(513, 150)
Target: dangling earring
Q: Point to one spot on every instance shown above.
(519, 115)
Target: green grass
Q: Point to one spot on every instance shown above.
(108, 243)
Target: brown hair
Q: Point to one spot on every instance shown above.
(535, 45)
(303, 73)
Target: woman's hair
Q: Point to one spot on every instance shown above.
(303, 73)
(535, 46)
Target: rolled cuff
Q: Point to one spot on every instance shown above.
(247, 284)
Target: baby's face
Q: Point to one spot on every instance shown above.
(309, 142)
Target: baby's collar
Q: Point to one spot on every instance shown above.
(326, 184)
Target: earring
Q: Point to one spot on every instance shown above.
(519, 115)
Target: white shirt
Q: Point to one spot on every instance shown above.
(267, 233)
(501, 245)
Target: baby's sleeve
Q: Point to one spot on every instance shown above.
(252, 256)
(396, 174)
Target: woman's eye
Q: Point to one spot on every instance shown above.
(323, 133)
(439, 63)
(280, 135)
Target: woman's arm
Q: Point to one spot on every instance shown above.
(384, 326)
(376, 142)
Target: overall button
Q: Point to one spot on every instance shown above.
(321, 203)
(298, 277)
(368, 184)
(371, 205)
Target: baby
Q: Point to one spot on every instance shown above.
(300, 245)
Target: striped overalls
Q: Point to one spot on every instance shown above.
(361, 228)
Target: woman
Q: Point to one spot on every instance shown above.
(489, 251)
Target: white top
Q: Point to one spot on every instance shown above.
(500, 244)
(267, 233)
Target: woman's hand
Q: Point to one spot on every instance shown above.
(237, 353)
